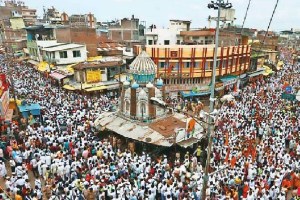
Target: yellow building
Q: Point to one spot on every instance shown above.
(184, 67)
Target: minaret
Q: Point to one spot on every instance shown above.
(151, 93)
(133, 98)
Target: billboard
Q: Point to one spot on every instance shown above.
(227, 14)
(93, 76)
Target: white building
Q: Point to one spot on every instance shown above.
(64, 54)
(167, 36)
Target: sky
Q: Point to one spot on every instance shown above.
(159, 12)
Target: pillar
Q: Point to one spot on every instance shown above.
(133, 103)
(122, 95)
(151, 107)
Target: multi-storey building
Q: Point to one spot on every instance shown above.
(128, 31)
(184, 67)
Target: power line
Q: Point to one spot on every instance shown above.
(246, 14)
(263, 42)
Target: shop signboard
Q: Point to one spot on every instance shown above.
(93, 76)
(4, 103)
(229, 82)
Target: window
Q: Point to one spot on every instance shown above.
(76, 54)
(187, 65)
(162, 65)
(150, 42)
(63, 54)
(166, 42)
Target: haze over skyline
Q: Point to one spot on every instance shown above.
(159, 12)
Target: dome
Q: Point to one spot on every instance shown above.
(143, 68)
(126, 83)
(160, 83)
(135, 85)
(149, 85)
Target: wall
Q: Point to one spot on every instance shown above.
(85, 36)
(17, 23)
(196, 61)
(162, 35)
(70, 59)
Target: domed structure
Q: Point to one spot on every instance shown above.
(135, 85)
(159, 83)
(143, 68)
(136, 98)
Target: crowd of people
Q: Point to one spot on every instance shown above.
(255, 155)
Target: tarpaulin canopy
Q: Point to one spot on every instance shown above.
(33, 109)
(267, 71)
(96, 88)
(194, 94)
(68, 87)
(57, 76)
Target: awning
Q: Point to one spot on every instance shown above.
(44, 66)
(188, 142)
(33, 62)
(194, 94)
(256, 73)
(68, 87)
(96, 88)
(229, 80)
(57, 76)
(267, 71)
(279, 65)
(113, 87)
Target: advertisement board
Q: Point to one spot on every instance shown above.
(93, 76)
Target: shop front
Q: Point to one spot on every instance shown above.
(256, 75)
(229, 83)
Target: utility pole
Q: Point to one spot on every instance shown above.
(217, 6)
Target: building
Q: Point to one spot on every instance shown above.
(139, 119)
(12, 34)
(179, 32)
(61, 34)
(168, 36)
(12, 8)
(63, 53)
(184, 67)
(98, 77)
(128, 30)
(80, 35)
(79, 21)
(13, 19)
(52, 16)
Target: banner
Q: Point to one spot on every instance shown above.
(93, 76)
(4, 103)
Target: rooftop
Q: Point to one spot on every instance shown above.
(62, 46)
(81, 66)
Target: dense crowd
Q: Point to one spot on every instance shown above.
(256, 149)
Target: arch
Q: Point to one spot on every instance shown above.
(142, 109)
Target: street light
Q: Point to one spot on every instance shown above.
(218, 5)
